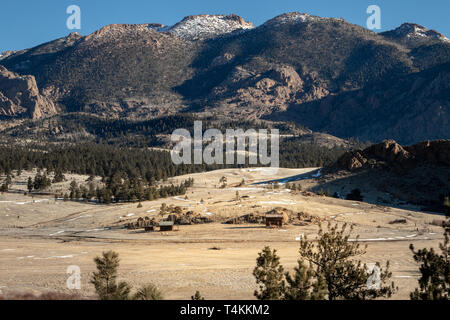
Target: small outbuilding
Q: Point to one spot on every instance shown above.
(166, 226)
(274, 220)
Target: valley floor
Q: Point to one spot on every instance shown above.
(41, 237)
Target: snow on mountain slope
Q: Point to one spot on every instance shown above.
(207, 26)
(414, 34)
(292, 17)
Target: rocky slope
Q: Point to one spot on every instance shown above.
(389, 173)
(20, 96)
(324, 73)
(389, 154)
(409, 109)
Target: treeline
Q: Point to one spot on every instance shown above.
(296, 155)
(96, 160)
(134, 163)
(124, 190)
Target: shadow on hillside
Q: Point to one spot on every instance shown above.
(299, 177)
(388, 189)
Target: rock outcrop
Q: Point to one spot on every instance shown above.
(389, 174)
(263, 93)
(389, 154)
(20, 97)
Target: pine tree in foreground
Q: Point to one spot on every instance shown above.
(148, 292)
(269, 274)
(332, 258)
(105, 279)
(435, 271)
(303, 285)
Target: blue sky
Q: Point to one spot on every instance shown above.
(25, 23)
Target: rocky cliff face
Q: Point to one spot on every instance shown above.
(262, 94)
(20, 96)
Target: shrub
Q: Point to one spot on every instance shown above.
(197, 296)
(355, 195)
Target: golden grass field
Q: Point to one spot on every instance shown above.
(40, 237)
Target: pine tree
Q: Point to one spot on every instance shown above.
(73, 190)
(333, 260)
(59, 177)
(435, 271)
(148, 292)
(30, 184)
(4, 187)
(304, 285)
(269, 275)
(105, 279)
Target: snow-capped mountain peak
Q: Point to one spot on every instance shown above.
(415, 34)
(206, 26)
(292, 17)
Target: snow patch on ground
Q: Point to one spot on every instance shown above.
(318, 174)
(57, 233)
(95, 230)
(248, 189)
(278, 202)
(80, 217)
(384, 239)
(181, 199)
(206, 212)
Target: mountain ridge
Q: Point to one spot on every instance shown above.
(223, 65)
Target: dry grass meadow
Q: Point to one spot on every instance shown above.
(40, 237)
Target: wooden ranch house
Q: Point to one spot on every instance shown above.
(274, 220)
